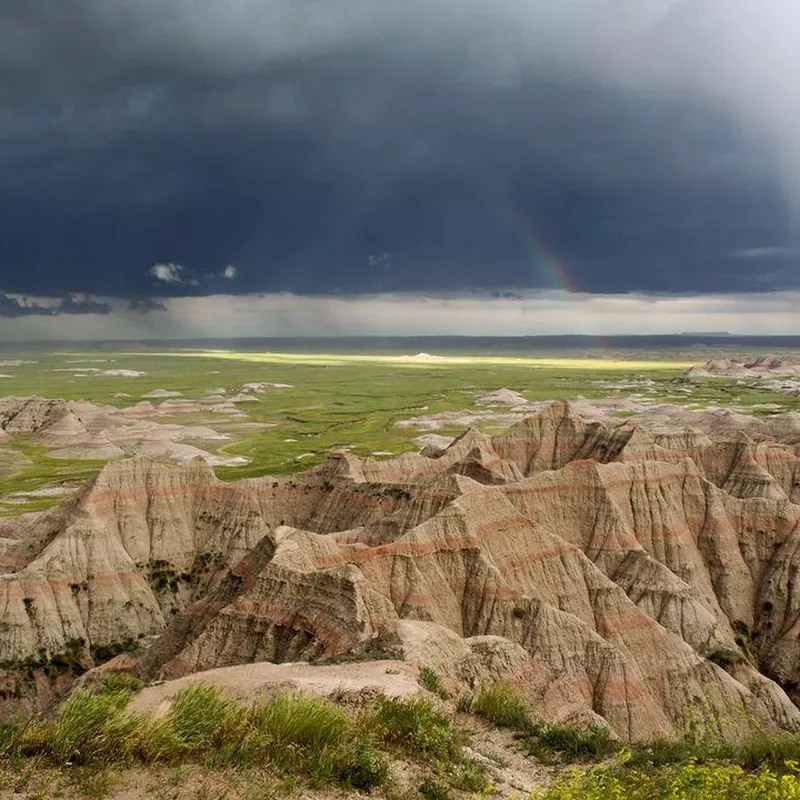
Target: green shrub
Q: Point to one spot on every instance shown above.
(662, 752)
(592, 742)
(464, 703)
(415, 725)
(469, 776)
(365, 769)
(432, 789)
(778, 751)
(503, 706)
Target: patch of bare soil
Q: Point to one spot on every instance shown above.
(247, 681)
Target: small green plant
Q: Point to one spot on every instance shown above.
(501, 705)
(595, 741)
(197, 713)
(430, 679)
(725, 659)
(469, 776)
(433, 789)
(464, 703)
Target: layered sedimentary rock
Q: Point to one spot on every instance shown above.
(614, 573)
(79, 429)
(760, 366)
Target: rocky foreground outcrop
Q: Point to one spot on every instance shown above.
(648, 580)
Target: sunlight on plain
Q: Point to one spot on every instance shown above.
(333, 359)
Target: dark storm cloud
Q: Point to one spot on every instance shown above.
(143, 305)
(356, 147)
(11, 306)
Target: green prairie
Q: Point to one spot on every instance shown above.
(335, 400)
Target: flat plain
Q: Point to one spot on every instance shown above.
(317, 402)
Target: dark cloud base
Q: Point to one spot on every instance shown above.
(33, 307)
(368, 168)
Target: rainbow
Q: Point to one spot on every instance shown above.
(542, 258)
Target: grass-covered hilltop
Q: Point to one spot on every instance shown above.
(400, 570)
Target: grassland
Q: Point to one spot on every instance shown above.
(335, 400)
(400, 749)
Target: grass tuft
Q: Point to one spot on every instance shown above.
(431, 680)
(505, 707)
(501, 705)
(88, 729)
(197, 714)
(415, 725)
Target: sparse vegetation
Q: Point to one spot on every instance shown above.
(501, 705)
(762, 767)
(505, 707)
(114, 682)
(294, 736)
(415, 725)
(295, 741)
(690, 781)
(774, 750)
(431, 680)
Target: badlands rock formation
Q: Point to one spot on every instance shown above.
(648, 580)
(784, 377)
(79, 429)
(763, 366)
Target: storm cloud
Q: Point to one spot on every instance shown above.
(16, 306)
(355, 147)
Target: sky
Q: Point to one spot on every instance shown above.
(324, 167)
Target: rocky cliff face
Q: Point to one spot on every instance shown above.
(646, 579)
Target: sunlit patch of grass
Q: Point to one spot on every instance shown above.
(342, 359)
